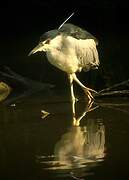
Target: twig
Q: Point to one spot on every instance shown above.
(115, 86)
(112, 93)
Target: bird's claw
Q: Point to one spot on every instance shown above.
(76, 99)
(89, 94)
(92, 90)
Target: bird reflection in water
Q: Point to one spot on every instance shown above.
(81, 145)
(80, 148)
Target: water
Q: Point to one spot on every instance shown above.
(33, 147)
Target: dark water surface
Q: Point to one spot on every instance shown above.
(33, 147)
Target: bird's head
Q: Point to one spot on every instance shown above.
(47, 41)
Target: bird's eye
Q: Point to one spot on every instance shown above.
(47, 41)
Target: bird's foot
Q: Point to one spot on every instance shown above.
(92, 90)
(76, 99)
(90, 97)
(89, 94)
(76, 122)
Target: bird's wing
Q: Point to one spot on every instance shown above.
(76, 32)
(87, 54)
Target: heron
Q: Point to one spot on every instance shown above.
(71, 49)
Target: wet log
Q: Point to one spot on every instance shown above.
(119, 89)
(27, 86)
(5, 90)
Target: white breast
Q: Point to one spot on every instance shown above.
(63, 55)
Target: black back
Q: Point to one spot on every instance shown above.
(68, 30)
(76, 32)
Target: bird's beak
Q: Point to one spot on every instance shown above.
(39, 47)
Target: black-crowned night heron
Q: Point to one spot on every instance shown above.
(70, 49)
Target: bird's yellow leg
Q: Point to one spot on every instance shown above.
(86, 90)
(76, 122)
(73, 100)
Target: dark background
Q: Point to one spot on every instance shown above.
(24, 134)
(23, 22)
